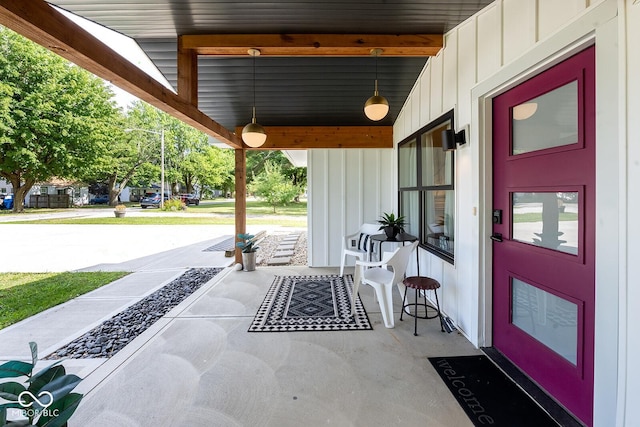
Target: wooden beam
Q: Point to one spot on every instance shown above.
(187, 75)
(40, 22)
(309, 137)
(314, 44)
(241, 197)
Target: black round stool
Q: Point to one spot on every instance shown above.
(420, 283)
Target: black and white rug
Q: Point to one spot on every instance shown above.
(310, 303)
(227, 244)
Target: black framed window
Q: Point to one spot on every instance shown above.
(426, 191)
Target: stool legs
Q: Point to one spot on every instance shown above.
(415, 316)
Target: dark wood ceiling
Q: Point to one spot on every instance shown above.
(289, 91)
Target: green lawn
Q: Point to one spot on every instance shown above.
(253, 208)
(171, 220)
(293, 215)
(537, 217)
(24, 294)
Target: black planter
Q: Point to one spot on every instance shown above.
(391, 232)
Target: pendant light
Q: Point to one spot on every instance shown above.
(253, 134)
(376, 107)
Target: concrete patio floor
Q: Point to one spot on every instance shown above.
(199, 366)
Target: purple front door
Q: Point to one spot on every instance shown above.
(544, 229)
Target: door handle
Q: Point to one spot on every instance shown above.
(496, 237)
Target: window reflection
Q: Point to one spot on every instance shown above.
(439, 209)
(550, 120)
(546, 317)
(407, 158)
(548, 220)
(411, 211)
(436, 163)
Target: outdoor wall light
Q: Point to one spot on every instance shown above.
(376, 107)
(253, 134)
(451, 139)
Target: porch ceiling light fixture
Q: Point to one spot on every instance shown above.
(376, 107)
(253, 134)
(451, 139)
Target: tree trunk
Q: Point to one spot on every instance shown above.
(19, 192)
(113, 192)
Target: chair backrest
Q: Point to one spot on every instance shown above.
(399, 261)
(366, 230)
(370, 229)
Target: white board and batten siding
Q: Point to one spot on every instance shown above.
(501, 45)
(474, 51)
(347, 188)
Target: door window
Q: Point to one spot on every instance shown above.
(546, 317)
(546, 219)
(548, 121)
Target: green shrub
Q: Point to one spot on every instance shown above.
(174, 205)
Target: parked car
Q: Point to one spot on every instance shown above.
(6, 201)
(100, 199)
(189, 199)
(152, 200)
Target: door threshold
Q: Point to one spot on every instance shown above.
(541, 397)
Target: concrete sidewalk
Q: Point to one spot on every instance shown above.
(61, 324)
(155, 255)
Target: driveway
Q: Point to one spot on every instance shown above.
(53, 248)
(61, 247)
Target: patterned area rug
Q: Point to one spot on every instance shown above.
(310, 303)
(228, 243)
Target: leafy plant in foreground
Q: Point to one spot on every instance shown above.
(44, 399)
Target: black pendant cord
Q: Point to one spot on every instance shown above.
(254, 87)
(376, 71)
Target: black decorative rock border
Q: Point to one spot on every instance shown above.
(112, 335)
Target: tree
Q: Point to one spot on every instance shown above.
(58, 115)
(256, 161)
(273, 186)
(209, 167)
(131, 152)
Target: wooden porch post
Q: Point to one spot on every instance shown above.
(187, 74)
(241, 197)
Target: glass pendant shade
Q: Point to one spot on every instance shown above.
(376, 107)
(253, 134)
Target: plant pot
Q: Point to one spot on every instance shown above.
(391, 232)
(249, 261)
(119, 214)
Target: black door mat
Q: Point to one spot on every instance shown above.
(558, 412)
(487, 395)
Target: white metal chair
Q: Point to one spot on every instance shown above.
(378, 276)
(358, 244)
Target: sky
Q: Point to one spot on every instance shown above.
(127, 48)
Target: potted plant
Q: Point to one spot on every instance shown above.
(249, 248)
(120, 210)
(391, 224)
(40, 398)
